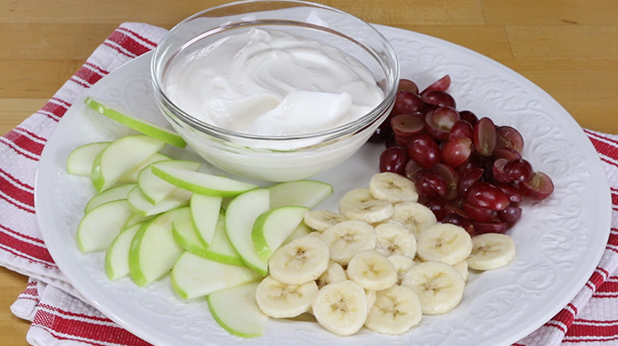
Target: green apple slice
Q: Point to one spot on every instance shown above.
(273, 227)
(221, 249)
(300, 231)
(120, 157)
(144, 126)
(132, 175)
(153, 250)
(195, 276)
(185, 234)
(235, 310)
(305, 193)
(81, 158)
(205, 213)
(140, 205)
(111, 194)
(117, 254)
(240, 215)
(98, 228)
(202, 183)
(154, 188)
(135, 219)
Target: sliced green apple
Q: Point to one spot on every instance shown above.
(185, 234)
(202, 183)
(98, 228)
(153, 250)
(154, 188)
(140, 205)
(120, 157)
(305, 193)
(144, 126)
(221, 249)
(300, 231)
(81, 158)
(117, 254)
(131, 176)
(240, 215)
(111, 194)
(205, 213)
(195, 276)
(235, 310)
(273, 227)
(135, 219)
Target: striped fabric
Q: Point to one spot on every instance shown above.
(59, 317)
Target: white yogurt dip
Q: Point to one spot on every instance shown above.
(269, 82)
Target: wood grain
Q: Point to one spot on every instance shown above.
(567, 47)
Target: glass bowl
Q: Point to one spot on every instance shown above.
(283, 157)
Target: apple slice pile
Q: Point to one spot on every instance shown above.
(154, 216)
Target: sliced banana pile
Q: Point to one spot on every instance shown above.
(380, 263)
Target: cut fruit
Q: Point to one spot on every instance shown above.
(202, 183)
(153, 250)
(120, 157)
(81, 158)
(141, 125)
(101, 225)
(140, 205)
(156, 189)
(112, 194)
(235, 309)
(305, 193)
(195, 276)
(300, 231)
(117, 255)
(240, 216)
(205, 213)
(184, 233)
(131, 176)
(273, 227)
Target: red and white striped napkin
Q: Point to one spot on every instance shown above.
(59, 317)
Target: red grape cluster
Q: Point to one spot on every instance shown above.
(467, 170)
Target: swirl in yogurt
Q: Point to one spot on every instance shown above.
(269, 82)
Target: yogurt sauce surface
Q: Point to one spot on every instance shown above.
(269, 82)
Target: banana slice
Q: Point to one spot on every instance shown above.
(394, 239)
(395, 311)
(491, 251)
(348, 238)
(402, 265)
(300, 261)
(320, 220)
(392, 187)
(280, 300)
(371, 298)
(371, 211)
(341, 307)
(333, 273)
(372, 270)
(462, 268)
(353, 197)
(444, 242)
(414, 216)
(438, 286)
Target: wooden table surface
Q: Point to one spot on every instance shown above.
(567, 47)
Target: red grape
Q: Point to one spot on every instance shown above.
(440, 121)
(430, 184)
(509, 137)
(441, 84)
(407, 85)
(405, 125)
(486, 195)
(537, 188)
(438, 98)
(394, 159)
(424, 150)
(407, 102)
(484, 136)
(519, 170)
(461, 128)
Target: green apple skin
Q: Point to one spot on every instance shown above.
(146, 127)
(81, 158)
(273, 227)
(194, 276)
(305, 193)
(140, 205)
(154, 188)
(120, 157)
(241, 214)
(205, 212)
(117, 254)
(202, 183)
(132, 175)
(98, 228)
(153, 250)
(111, 194)
(235, 310)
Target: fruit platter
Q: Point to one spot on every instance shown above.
(547, 245)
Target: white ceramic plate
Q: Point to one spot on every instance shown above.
(559, 241)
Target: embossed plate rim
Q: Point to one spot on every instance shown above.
(161, 318)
